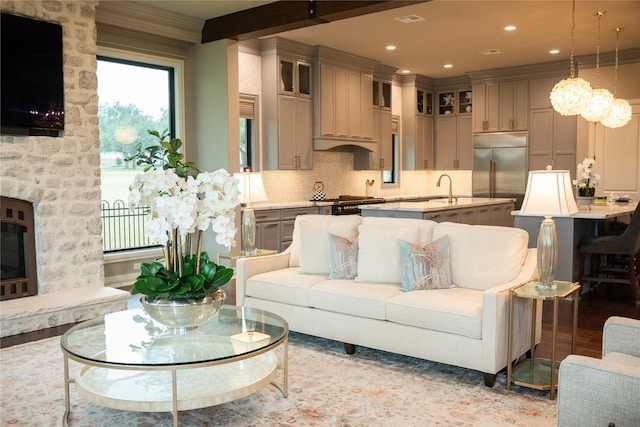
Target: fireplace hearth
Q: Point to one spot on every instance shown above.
(18, 276)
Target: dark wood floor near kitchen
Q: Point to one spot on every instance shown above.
(595, 308)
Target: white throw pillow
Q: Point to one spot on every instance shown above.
(379, 253)
(314, 243)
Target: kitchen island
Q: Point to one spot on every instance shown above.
(465, 210)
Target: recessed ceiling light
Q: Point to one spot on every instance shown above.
(489, 52)
(405, 71)
(554, 51)
(510, 28)
(390, 47)
(448, 66)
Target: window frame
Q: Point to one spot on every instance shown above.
(134, 256)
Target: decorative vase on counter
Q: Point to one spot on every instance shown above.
(181, 314)
(584, 200)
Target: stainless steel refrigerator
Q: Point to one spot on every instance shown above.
(500, 165)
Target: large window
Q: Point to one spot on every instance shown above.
(134, 96)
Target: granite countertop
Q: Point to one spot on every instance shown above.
(438, 204)
(308, 203)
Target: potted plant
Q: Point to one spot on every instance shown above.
(184, 202)
(586, 181)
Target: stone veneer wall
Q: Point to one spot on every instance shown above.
(61, 177)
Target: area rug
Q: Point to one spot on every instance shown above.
(326, 388)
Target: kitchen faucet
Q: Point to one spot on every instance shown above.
(450, 189)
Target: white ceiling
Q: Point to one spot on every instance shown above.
(454, 31)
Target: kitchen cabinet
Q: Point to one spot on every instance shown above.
(454, 102)
(295, 78)
(274, 227)
(454, 142)
(617, 154)
(500, 106)
(417, 123)
(382, 157)
(552, 136)
(294, 133)
(286, 105)
(344, 110)
(267, 229)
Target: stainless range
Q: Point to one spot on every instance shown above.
(348, 205)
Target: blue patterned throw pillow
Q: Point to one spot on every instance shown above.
(427, 267)
(343, 258)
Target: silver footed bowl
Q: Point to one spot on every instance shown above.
(183, 313)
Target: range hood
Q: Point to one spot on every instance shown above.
(324, 143)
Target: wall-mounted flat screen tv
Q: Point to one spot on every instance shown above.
(32, 97)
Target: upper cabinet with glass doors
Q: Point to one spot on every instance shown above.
(295, 78)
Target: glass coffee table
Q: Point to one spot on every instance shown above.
(132, 363)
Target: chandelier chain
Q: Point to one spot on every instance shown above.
(573, 30)
(599, 15)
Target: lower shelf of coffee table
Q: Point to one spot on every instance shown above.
(534, 373)
(151, 391)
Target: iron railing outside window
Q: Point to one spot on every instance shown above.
(123, 228)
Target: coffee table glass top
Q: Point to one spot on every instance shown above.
(131, 337)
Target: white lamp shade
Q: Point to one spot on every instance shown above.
(251, 187)
(549, 192)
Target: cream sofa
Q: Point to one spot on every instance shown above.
(465, 325)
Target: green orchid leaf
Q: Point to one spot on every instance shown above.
(208, 270)
(222, 276)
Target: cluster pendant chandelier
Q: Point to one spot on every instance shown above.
(570, 96)
(575, 96)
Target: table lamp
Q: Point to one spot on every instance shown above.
(251, 189)
(549, 193)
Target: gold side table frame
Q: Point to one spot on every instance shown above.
(532, 372)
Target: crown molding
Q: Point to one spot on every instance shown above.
(145, 19)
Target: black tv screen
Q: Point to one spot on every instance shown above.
(32, 97)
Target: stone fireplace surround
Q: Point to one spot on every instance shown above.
(61, 177)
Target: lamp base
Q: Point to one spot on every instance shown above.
(546, 287)
(248, 232)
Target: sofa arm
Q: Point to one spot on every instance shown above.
(621, 335)
(596, 392)
(495, 317)
(247, 267)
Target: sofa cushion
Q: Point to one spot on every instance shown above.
(379, 253)
(425, 267)
(356, 299)
(424, 227)
(457, 310)
(483, 256)
(310, 246)
(343, 258)
(287, 286)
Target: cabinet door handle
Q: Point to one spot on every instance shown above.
(270, 225)
(381, 163)
(261, 217)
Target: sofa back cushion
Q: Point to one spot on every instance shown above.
(378, 248)
(483, 256)
(309, 249)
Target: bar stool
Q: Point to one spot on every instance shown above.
(614, 259)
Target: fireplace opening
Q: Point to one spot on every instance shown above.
(18, 276)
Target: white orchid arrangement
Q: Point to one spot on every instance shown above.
(184, 203)
(586, 179)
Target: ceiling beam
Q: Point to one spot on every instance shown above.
(280, 16)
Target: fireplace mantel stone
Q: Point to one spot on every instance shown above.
(45, 311)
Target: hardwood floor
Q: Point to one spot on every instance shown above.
(595, 307)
